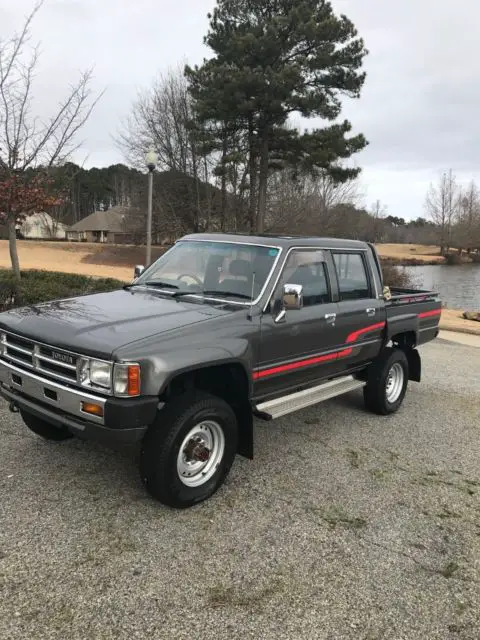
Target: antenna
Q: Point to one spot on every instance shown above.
(251, 298)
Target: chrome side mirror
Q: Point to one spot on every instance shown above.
(139, 269)
(292, 296)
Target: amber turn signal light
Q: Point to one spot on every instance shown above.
(133, 380)
(92, 408)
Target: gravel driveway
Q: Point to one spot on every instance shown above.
(346, 525)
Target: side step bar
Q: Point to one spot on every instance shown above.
(301, 399)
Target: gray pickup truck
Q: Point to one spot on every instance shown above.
(220, 329)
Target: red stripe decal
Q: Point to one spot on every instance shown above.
(430, 314)
(318, 359)
(294, 365)
(353, 337)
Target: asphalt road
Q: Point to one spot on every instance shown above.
(346, 525)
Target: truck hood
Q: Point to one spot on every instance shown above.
(98, 324)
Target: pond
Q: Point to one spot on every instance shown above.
(458, 286)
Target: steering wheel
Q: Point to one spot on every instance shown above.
(192, 276)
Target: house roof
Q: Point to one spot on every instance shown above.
(115, 220)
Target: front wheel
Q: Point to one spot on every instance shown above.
(189, 449)
(387, 382)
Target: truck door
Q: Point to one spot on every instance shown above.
(361, 312)
(299, 346)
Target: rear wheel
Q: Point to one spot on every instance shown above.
(387, 382)
(45, 429)
(188, 451)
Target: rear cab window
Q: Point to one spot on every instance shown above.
(352, 275)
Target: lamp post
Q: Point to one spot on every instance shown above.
(151, 159)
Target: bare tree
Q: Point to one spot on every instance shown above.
(51, 222)
(378, 213)
(162, 116)
(467, 231)
(306, 204)
(442, 206)
(28, 143)
(333, 193)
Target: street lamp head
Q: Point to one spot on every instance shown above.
(151, 159)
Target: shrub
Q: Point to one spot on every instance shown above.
(42, 286)
(396, 277)
(453, 258)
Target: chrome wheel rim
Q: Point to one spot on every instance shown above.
(200, 453)
(394, 384)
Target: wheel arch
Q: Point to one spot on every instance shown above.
(227, 380)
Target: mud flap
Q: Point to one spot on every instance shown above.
(245, 430)
(414, 365)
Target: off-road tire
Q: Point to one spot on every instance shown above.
(44, 429)
(162, 442)
(375, 392)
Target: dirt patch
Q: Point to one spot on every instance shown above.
(452, 320)
(121, 256)
(109, 261)
(411, 254)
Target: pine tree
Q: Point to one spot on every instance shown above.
(274, 58)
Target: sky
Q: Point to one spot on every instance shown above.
(418, 108)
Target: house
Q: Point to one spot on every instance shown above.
(41, 226)
(117, 225)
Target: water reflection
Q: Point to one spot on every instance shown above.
(458, 286)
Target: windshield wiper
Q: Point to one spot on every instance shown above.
(183, 292)
(152, 283)
(160, 284)
(225, 294)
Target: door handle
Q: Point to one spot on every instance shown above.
(330, 318)
(370, 311)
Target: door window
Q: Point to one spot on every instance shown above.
(307, 268)
(352, 276)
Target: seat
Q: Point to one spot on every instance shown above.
(312, 279)
(238, 278)
(242, 279)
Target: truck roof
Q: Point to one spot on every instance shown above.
(283, 241)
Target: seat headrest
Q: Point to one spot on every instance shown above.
(240, 268)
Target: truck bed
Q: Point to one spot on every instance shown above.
(405, 305)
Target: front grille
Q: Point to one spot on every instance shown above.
(52, 362)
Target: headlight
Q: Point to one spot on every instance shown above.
(95, 373)
(126, 380)
(3, 340)
(121, 379)
(101, 373)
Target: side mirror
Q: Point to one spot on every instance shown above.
(139, 269)
(292, 296)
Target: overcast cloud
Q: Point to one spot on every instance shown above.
(419, 109)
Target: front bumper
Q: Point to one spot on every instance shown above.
(123, 420)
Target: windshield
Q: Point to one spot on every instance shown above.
(218, 269)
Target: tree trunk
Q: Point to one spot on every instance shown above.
(12, 244)
(252, 170)
(198, 214)
(240, 201)
(262, 185)
(209, 197)
(224, 181)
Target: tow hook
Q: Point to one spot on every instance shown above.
(13, 407)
